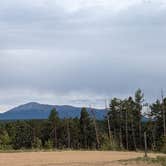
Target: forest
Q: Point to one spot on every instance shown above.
(124, 128)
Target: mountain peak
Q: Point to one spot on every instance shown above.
(31, 104)
(34, 110)
(28, 106)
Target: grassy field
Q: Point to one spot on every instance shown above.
(75, 158)
(155, 161)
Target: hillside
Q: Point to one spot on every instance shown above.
(42, 111)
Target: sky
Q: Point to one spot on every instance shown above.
(81, 52)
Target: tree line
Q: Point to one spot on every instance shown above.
(122, 128)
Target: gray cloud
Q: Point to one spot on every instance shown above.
(79, 53)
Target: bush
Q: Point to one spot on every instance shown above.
(4, 138)
(37, 144)
(163, 145)
(5, 147)
(49, 144)
(108, 144)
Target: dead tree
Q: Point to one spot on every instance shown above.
(133, 135)
(108, 122)
(120, 127)
(163, 111)
(96, 129)
(140, 131)
(68, 134)
(126, 129)
(145, 144)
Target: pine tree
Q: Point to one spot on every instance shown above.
(85, 129)
(54, 119)
(138, 101)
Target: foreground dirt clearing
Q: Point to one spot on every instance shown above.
(70, 158)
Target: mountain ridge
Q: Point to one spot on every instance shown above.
(34, 110)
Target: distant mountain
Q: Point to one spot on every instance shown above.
(42, 111)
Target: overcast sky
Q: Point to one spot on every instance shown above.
(80, 52)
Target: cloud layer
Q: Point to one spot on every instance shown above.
(67, 53)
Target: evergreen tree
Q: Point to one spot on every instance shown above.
(23, 136)
(138, 101)
(86, 129)
(54, 120)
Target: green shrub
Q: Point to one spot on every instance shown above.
(162, 160)
(4, 138)
(6, 147)
(163, 145)
(49, 144)
(37, 144)
(108, 144)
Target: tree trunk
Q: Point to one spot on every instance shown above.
(120, 133)
(55, 137)
(163, 111)
(34, 136)
(145, 142)
(126, 130)
(164, 125)
(109, 129)
(108, 122)
(96, 129)
(68, 135)
(133, 135)
(154, 139)
(140, 133)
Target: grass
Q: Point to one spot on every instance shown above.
(161, 161)
(158, 160)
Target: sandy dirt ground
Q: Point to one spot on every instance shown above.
(69, 158)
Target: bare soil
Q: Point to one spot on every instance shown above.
(71, 158)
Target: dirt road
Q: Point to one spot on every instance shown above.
(69, 158)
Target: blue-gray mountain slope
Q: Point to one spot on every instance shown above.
(42, 111)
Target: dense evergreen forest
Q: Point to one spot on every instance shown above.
(122, 129)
